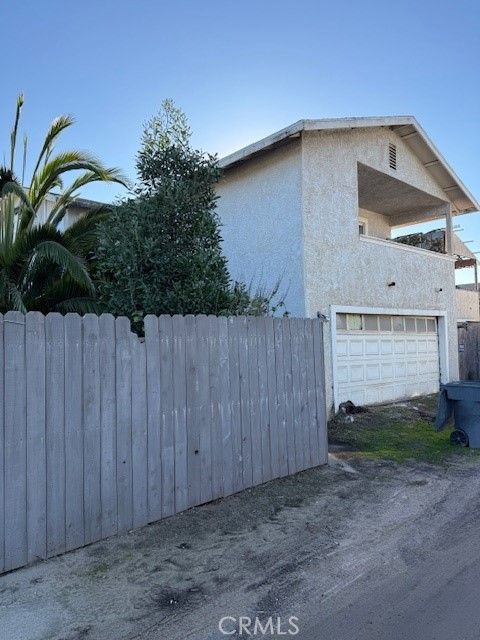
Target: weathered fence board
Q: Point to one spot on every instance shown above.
(245, 429)
(167, 423)
(55, 432)
(91, 430)
(469, 350)
(235, 404)
(102, 431)
(281, 432)
(15, 441)
(74, 469)
(152, 345)
(108, 417)
(124, 424)
(193, 430)
(36, 467)
(139, 433)
(321, 426)
(180, 413)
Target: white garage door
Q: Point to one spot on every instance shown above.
(383, 358)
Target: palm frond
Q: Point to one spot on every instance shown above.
(24, 157)
(58, 125)
(15, 298)
(7, 222)
(83, 234)
(68, 196)
(13, 135)
(17, 190)
(61, 294)
(65, 162)
(79, 305)
(69, 263)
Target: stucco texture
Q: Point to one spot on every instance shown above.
(260, 211)
(378, 225)
(467, 305)
(340, 267)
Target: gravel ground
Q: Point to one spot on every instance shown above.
(265, 551)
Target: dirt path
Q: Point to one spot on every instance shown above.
(265, 551)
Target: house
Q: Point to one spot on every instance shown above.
(78, 208)
(314, 205)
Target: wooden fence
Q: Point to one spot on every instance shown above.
(469, 350)
(101, 431)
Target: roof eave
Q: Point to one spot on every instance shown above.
(338, 124)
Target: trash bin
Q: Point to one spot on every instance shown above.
(463, 400)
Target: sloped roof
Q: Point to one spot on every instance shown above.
(406, 127)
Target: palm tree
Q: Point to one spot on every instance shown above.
(43, 267)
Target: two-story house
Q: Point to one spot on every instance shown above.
(314, 205)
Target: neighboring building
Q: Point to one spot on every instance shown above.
(466, 296)
(315, 205)
(78, 208)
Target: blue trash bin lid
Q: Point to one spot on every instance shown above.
(468, 390)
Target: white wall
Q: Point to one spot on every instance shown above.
(467, 305)
(343, 269)
(260, 212)
(73, 214)
(378, 225)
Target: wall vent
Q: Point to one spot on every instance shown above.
(392, 156)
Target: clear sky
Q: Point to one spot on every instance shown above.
(242, 69)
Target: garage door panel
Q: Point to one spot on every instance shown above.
(412, 369)
(377, 365)
(432, 347)
(399, 345)
(372, 347)
(386, 347)
(342, 347)
(411, 346)
(387, 370)
(373, 371)
(356, 347)
(342, 373)
(422, 346)
(400, 370)
(356, 373)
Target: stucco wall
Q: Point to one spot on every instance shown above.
(344, 269)
(467, 305)
(292, 213)
(260, 210)
(378, 225)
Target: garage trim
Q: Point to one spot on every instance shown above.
(441, 316)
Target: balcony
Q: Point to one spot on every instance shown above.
(398, 246)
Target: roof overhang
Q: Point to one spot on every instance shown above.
(406, 127)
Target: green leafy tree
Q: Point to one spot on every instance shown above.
(43, 267)
(160, 251)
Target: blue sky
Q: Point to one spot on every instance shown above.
(242, 70)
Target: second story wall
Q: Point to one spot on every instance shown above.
(260, 211)
(343, 268)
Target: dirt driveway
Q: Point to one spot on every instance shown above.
(265, 551)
